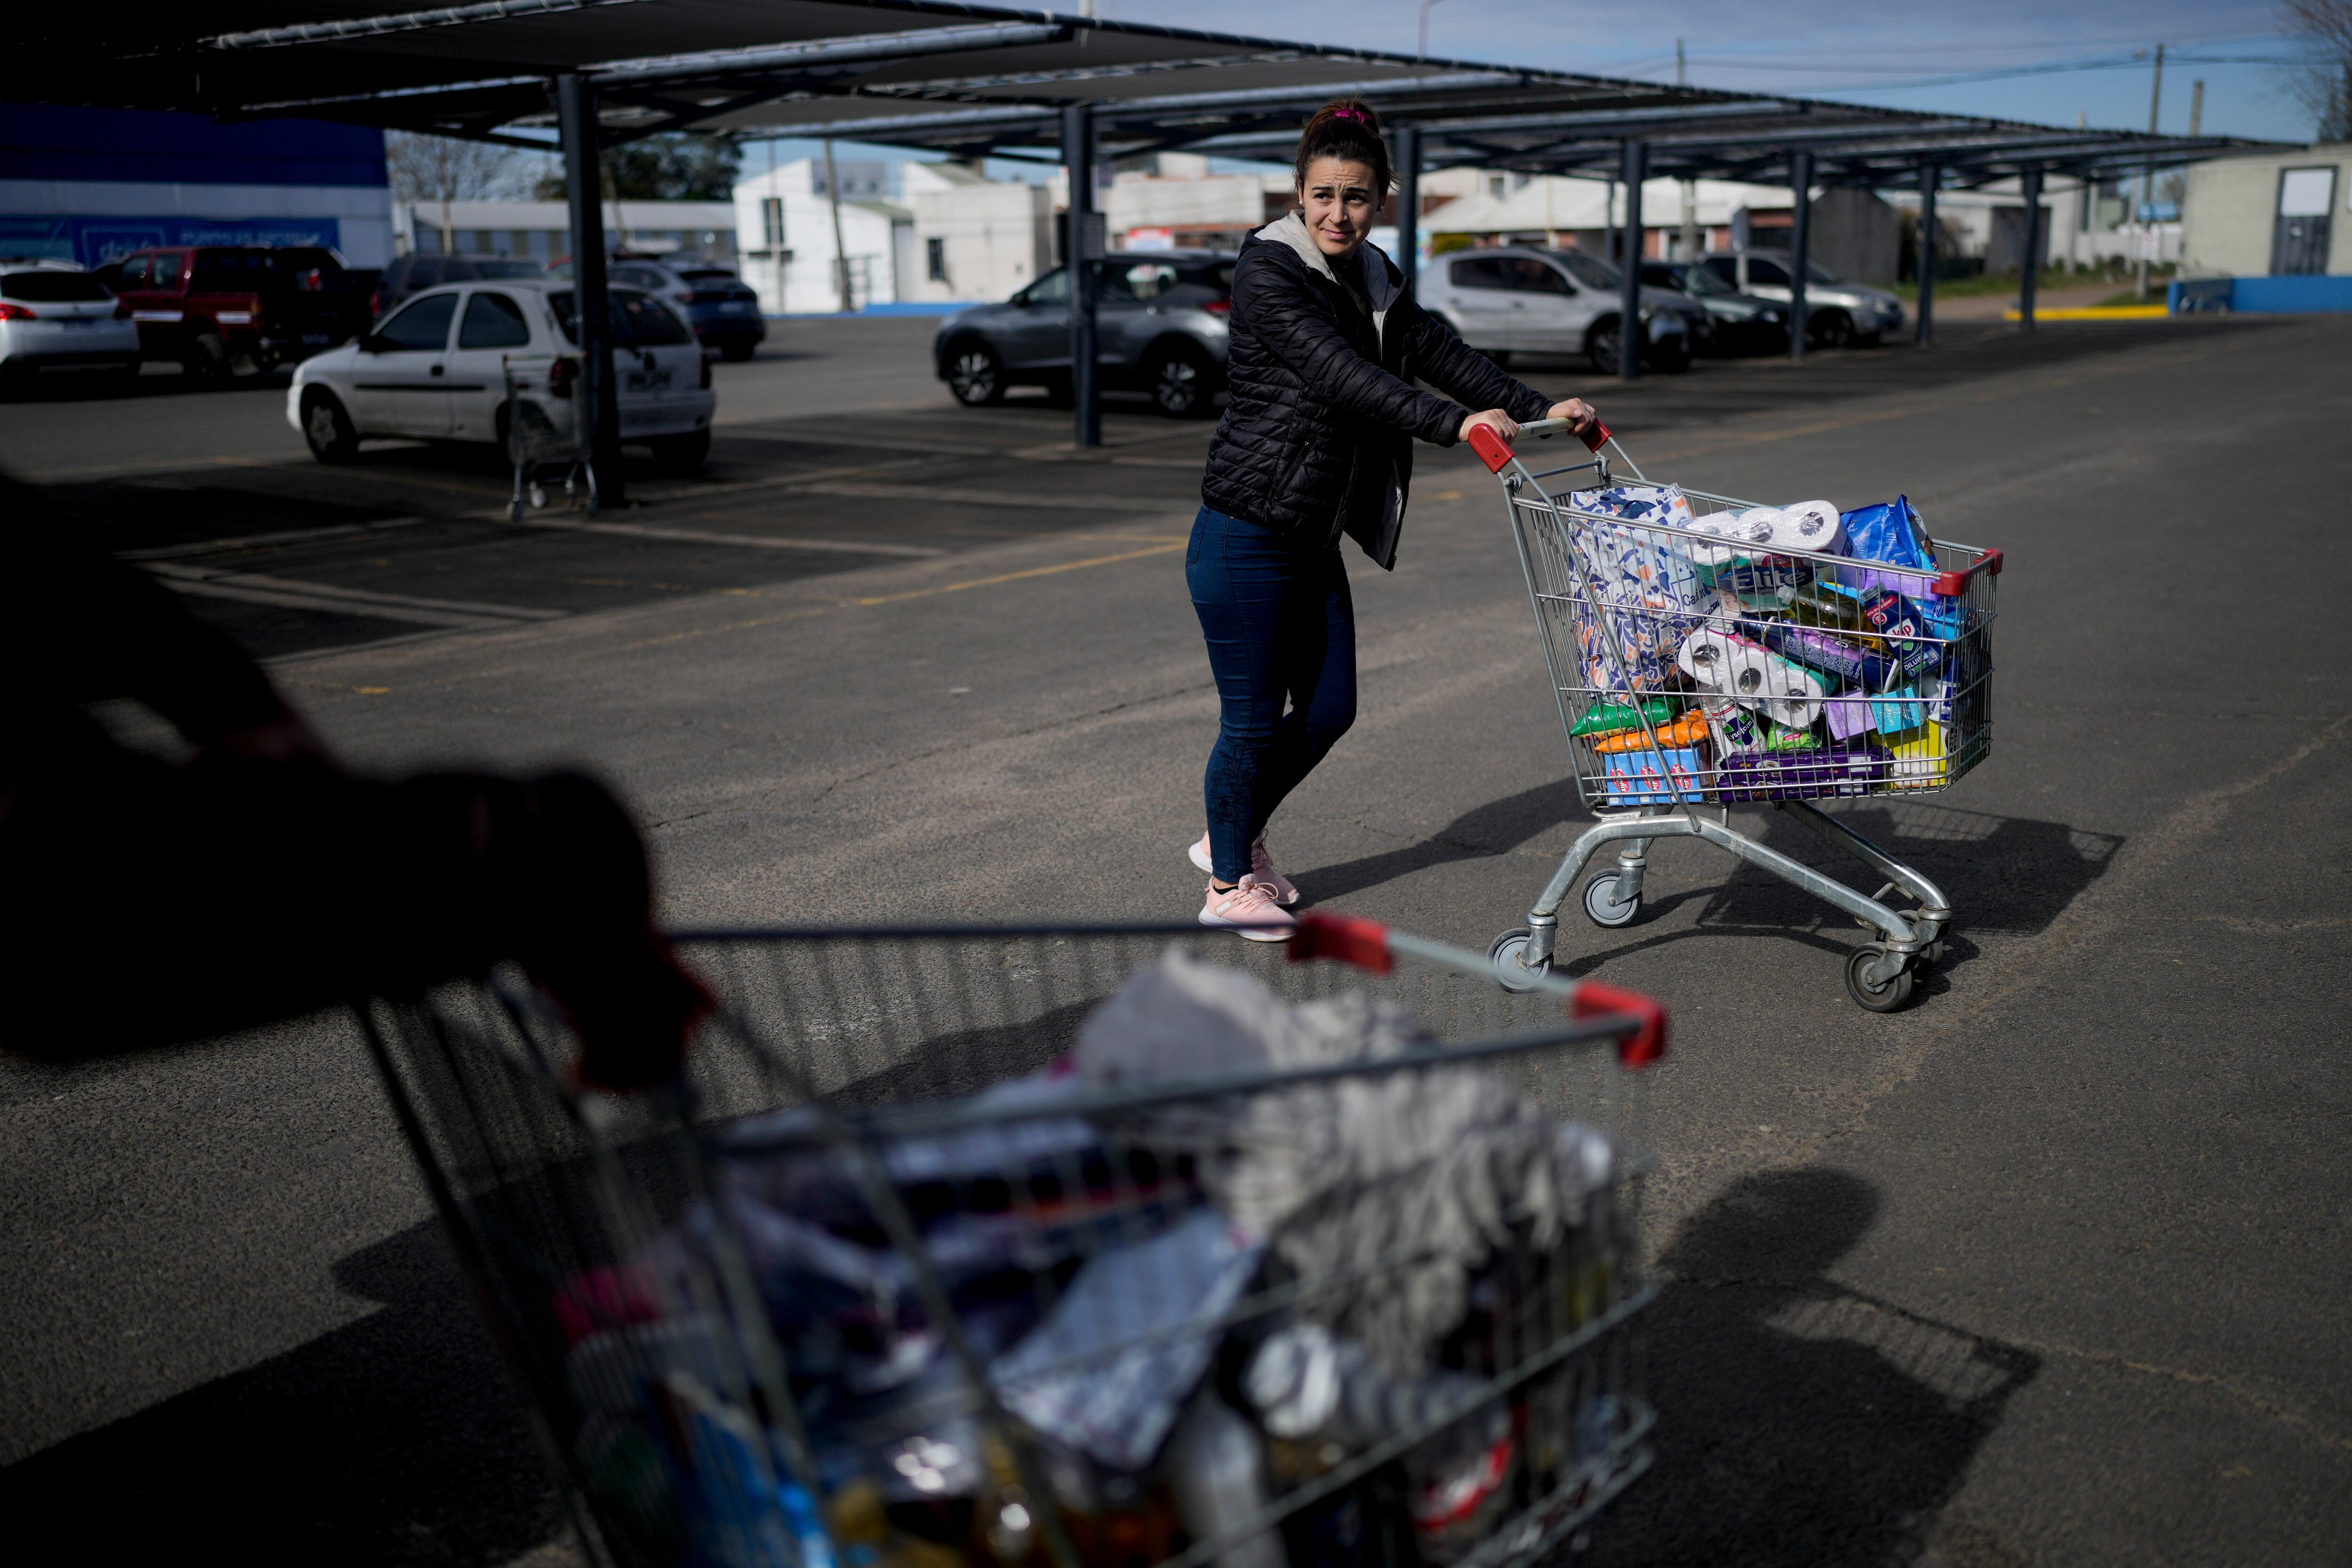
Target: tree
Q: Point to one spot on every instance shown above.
(442, 169)
(679, 167)
(2324, 79)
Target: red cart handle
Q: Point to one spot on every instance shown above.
(1496, 452)
(1647, 1043)
(1952, 585)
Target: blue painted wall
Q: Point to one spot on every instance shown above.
(41, 142)
(2299, 295)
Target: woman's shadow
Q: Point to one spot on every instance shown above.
(1799, 1422)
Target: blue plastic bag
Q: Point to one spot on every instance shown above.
(1890, 531)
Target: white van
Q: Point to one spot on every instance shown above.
(435, 370)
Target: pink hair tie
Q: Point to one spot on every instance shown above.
(1358, 115)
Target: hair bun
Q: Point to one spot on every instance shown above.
(1345, 128)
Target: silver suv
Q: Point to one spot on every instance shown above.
(1836, 312)
(1524, 298)
(1160, 324)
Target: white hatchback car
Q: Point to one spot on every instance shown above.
(435, 370)
(55, 316)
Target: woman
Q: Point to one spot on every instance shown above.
(1317, 442)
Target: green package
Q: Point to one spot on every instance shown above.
(1612, 719)
(1780, 738)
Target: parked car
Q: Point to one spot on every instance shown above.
(409, 276)
(720, 307)
(1836, 312)
(435, 370)
(214, 308)
(1160, 323)
(1743, 324)
(57, 316)
(1525, 299)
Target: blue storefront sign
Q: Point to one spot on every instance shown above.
(93, 241)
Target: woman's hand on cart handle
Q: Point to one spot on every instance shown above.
(1582, 418)
(1494, 419)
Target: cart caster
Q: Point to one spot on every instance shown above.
(1884, 996)
(537, 497)
(1600, 903)
(1508, 956)
(514, 512)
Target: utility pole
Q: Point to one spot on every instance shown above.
(1686, 243)
(2147, 178)
(1425, 4)
(2195, 108)
(840, 252)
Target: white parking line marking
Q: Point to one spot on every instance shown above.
(748, 540)
(943, 495)
(285, 590)
(263, 541)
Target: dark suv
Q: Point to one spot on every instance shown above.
(720, 307)
(1159, 316)
(414, 274)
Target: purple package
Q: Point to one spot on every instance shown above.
(1805, 775)
(1848, 717)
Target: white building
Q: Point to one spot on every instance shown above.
(2271, 214)
(1557, 210)
(1178, 204)
(542, 230)
(784, 224)
(973, 238)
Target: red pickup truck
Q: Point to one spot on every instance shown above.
(218, 308)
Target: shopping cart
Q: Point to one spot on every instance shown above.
(543, 441)
(930, 1257)
(1694, 669)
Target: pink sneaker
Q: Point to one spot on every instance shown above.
(1247, 910)
(1261, 867)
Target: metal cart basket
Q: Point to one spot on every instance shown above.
(1700, 658)
(977, 1246)
(543, 438)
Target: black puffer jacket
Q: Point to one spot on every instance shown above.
(1318, 439)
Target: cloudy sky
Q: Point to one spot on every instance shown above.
(1896, 55)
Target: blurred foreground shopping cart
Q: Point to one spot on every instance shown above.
(1109, 1245)
(1699, 659)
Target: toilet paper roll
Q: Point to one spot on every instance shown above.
(1752, 675)
(1748, 532)
(1811, 525)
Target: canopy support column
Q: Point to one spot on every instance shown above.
(1082, 246)
(1931, 179)
(1800, 189)
(1408, 225)
(576, 104)
(2030, 269)
(1629, 305)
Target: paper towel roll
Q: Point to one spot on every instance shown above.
(1752, 675)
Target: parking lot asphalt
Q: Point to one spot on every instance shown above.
(2050, 1267)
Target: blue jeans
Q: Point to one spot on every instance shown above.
(1282, 636)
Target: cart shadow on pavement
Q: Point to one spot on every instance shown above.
(394, 1439)
(2009, 875)
(1799, 1422)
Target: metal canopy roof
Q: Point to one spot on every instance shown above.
(974, 79)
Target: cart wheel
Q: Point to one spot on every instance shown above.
(1508, 957)
(1600, 903)
(1884, 997)
(514, 512)
(539, 495)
